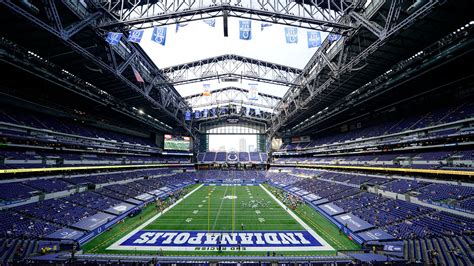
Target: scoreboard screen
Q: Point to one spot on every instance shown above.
(177, 143)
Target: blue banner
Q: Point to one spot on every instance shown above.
(135, 36)
(204, 113)
(159, 35)
(114, 37)
(291, 35)
(187, 116)
(197, 114)
(244, 239)
(265, 25)
(333, 37)
(180, 25)
(245, 27)
(314, 39)
(210, 22)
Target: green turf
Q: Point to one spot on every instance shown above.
(209, 209)
(220, 213)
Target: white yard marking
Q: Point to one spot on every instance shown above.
(203, 201)
(258, 212)
(195, 211)
(200, 206)
(325, 245)
(116, 245)
(189, 220)
(262, 220)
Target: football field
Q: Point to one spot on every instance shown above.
(223, 220)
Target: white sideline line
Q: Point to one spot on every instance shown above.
(121, 240)
(298, 219)
(324, 245)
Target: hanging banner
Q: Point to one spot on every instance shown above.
(333, 37)
(253, 91)
(159, 35)
(187, 116)
(207, 89)
(245, 29)
(204, 113)
(265, 25)
(291, 35)
(314, 39)
(197, 114)
(113, 37)
(180, 25)
(210, 22)
(135, 36)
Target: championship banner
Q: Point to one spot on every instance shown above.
(135, 36)
(187, 116)
(113, 37)
(333, 37)
(314, 39)
(245, 29)
(159, 35)
(291, 35)
(204, 113)
(197, 115)
(253, 91)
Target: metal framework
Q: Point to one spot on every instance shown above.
(232, 66)
(156, 90)
(336, 57)
(13, 54)
(312, 14)
(232, 95)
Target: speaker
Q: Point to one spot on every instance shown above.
(226, 31)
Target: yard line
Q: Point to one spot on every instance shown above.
(219, 211)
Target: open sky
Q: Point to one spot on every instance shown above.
(197, 40)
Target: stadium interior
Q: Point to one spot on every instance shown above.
(334, 132)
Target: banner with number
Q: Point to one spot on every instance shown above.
(291, 35)
(245, 29)
(314, 39)
(159, 35)
(187, 116)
